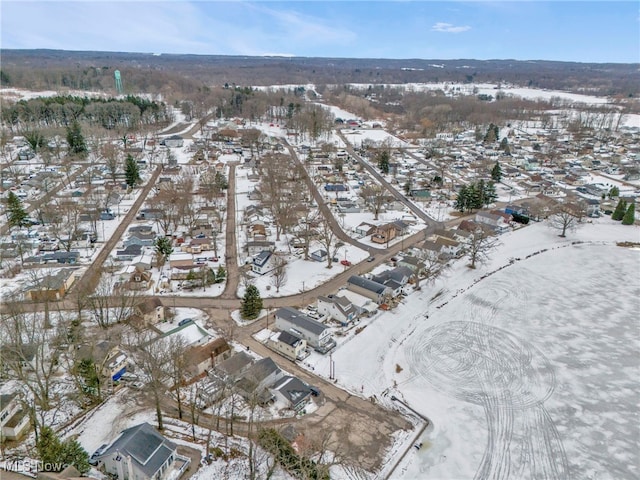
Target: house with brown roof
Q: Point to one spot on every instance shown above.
(201, 359)
(52, 287)
(149, 311)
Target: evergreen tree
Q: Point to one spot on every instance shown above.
(221, 181)
(75, 455)
(131, 171)
(383, 162)
(496, 172)
(614, 192)
(251, 304)
(16, 214)
(75, 139)
(504, 144)
(630, 216)
(620, 210)
(221, 274)
(35, 139)
(462, 199)
(53, 451)
(489, 195)
(163, 248)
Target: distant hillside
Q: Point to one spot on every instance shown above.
(53, 69)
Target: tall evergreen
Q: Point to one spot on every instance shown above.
(383, 162)
(630, 216)
(55, 452)
(131, 171)
(490, 195)
(496, 172)
(75, 139)
(251, 304)
(462, 199)
(620, 210)
(16, 213)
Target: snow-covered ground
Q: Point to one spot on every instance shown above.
(529, 372)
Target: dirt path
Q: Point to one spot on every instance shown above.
(231, 248)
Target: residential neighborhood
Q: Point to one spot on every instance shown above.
(191, 295)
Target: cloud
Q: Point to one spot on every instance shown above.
(449, 28)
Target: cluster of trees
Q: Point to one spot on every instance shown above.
(624, 212)
(283, 190)
(285, 455)
(61, 111)
(476, 195)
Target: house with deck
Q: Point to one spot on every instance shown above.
(315, 333)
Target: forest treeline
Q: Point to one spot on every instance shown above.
(130, 112)
(170, 73)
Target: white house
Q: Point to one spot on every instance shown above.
(262, 263)
(315, 333)
(141, 453)
(289, 345)
(337, 308)
(14, 421)
(293, 392)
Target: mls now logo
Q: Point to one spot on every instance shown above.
(29, 465)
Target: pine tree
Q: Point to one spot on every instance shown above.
(75, 139)
(131, 171)
(221, 274)
(383, 162)
(620, 210)
(53, 451)
(251, 304)
(614, 192)
(17, 215)
(629, 217)
(163, 248)
(496, 173)
(462, 199)
(490, 195)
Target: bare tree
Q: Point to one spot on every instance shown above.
(152, 357)
(375, 197)
(111, 155)
(566, 217)
(176, 366)
(430, 269)
(279, 272)
(32, 344)
(481, 242)
(64, 221)
(328, 240)
(110, 302)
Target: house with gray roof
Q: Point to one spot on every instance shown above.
(369, 288)
(394, 279)
(262, 263)
(141, 453)
(315, 333)
(337, 308)
(293, 392)
(257, 378)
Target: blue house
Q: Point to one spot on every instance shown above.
(335, 187)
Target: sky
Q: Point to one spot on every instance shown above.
(564, 30)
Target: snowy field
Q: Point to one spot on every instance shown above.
(529, 372)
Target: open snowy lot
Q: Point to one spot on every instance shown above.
(529, 372)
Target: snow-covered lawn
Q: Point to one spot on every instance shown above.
(531, 369)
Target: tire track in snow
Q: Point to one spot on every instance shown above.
(511, 380)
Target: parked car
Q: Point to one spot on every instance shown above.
(346, 263)
(94, 458)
